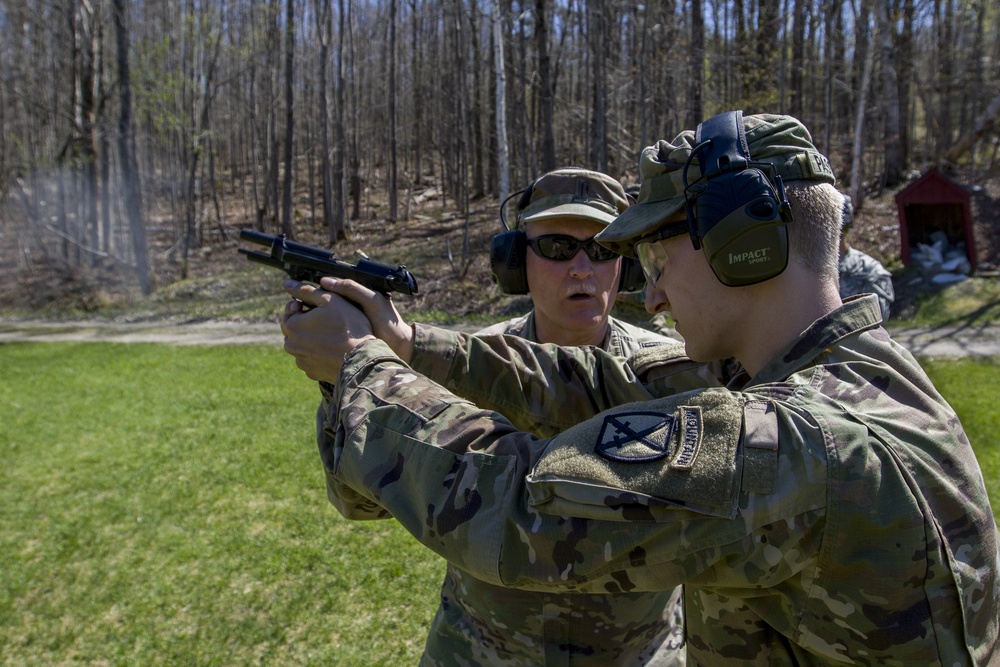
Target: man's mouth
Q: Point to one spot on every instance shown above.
(581, 293)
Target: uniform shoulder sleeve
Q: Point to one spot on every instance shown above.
(666, 370)
(644, 460)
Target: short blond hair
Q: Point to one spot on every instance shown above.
(814, 234)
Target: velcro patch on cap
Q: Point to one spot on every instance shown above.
(635, 436)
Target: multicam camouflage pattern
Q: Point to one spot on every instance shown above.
(862, 274)
(622, 340)
(480, 623)
(485, 624)
(828, 511)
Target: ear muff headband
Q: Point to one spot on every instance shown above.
(736, 214)
(508, 249)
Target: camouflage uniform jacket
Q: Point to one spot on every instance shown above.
(622, 339)
(862, 274)
(480, 623)
(829, 510)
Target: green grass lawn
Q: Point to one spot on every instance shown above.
(972, 386)
(165, 506)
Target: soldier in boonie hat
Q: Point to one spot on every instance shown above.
(782, 142)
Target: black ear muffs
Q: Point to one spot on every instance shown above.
(633, 279)
(507, 258)
(736, 214)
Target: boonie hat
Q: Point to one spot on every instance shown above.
(572, 192)
(782, 141)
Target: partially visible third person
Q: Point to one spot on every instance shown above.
(861, 273)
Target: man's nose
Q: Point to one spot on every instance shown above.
(580, 264)
(655, 299)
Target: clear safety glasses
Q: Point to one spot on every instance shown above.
(653, 258)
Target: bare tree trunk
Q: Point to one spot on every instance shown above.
(892, 142)
(697, 56)
(286, 193)
(492, 176)
(104, 154)
(797, 93)
(503, 159)
(766, 61)
(828, 84)
(475, 100)
(62, 222)
(324, 25)
(944, 18)
(417, 103)
(126, 154)
(270, 142)
(597, 28)
(642, 73)
(519, 92)
(197, 148)
(393, 155)
(905, 67)
(464, 121)
(354, 160)
(339, 139)
(546, 101)
(309, 146)
(86, 30)
(256, 150)
(857, 190)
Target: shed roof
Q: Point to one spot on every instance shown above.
(933, 188)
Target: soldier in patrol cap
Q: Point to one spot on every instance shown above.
(572, 281)
(825, 507)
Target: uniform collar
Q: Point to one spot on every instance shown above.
(611, 338)
(856, 315)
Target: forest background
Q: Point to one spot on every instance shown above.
(166, 507)
(137, 137)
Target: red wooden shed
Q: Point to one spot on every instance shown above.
(935, 202)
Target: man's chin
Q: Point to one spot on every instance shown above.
(582, 320)
(580, 311)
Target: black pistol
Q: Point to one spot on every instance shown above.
(309, 264)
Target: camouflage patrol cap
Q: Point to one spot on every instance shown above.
(781, 141)
(572, 192)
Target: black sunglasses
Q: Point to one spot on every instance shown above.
(562, 248)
